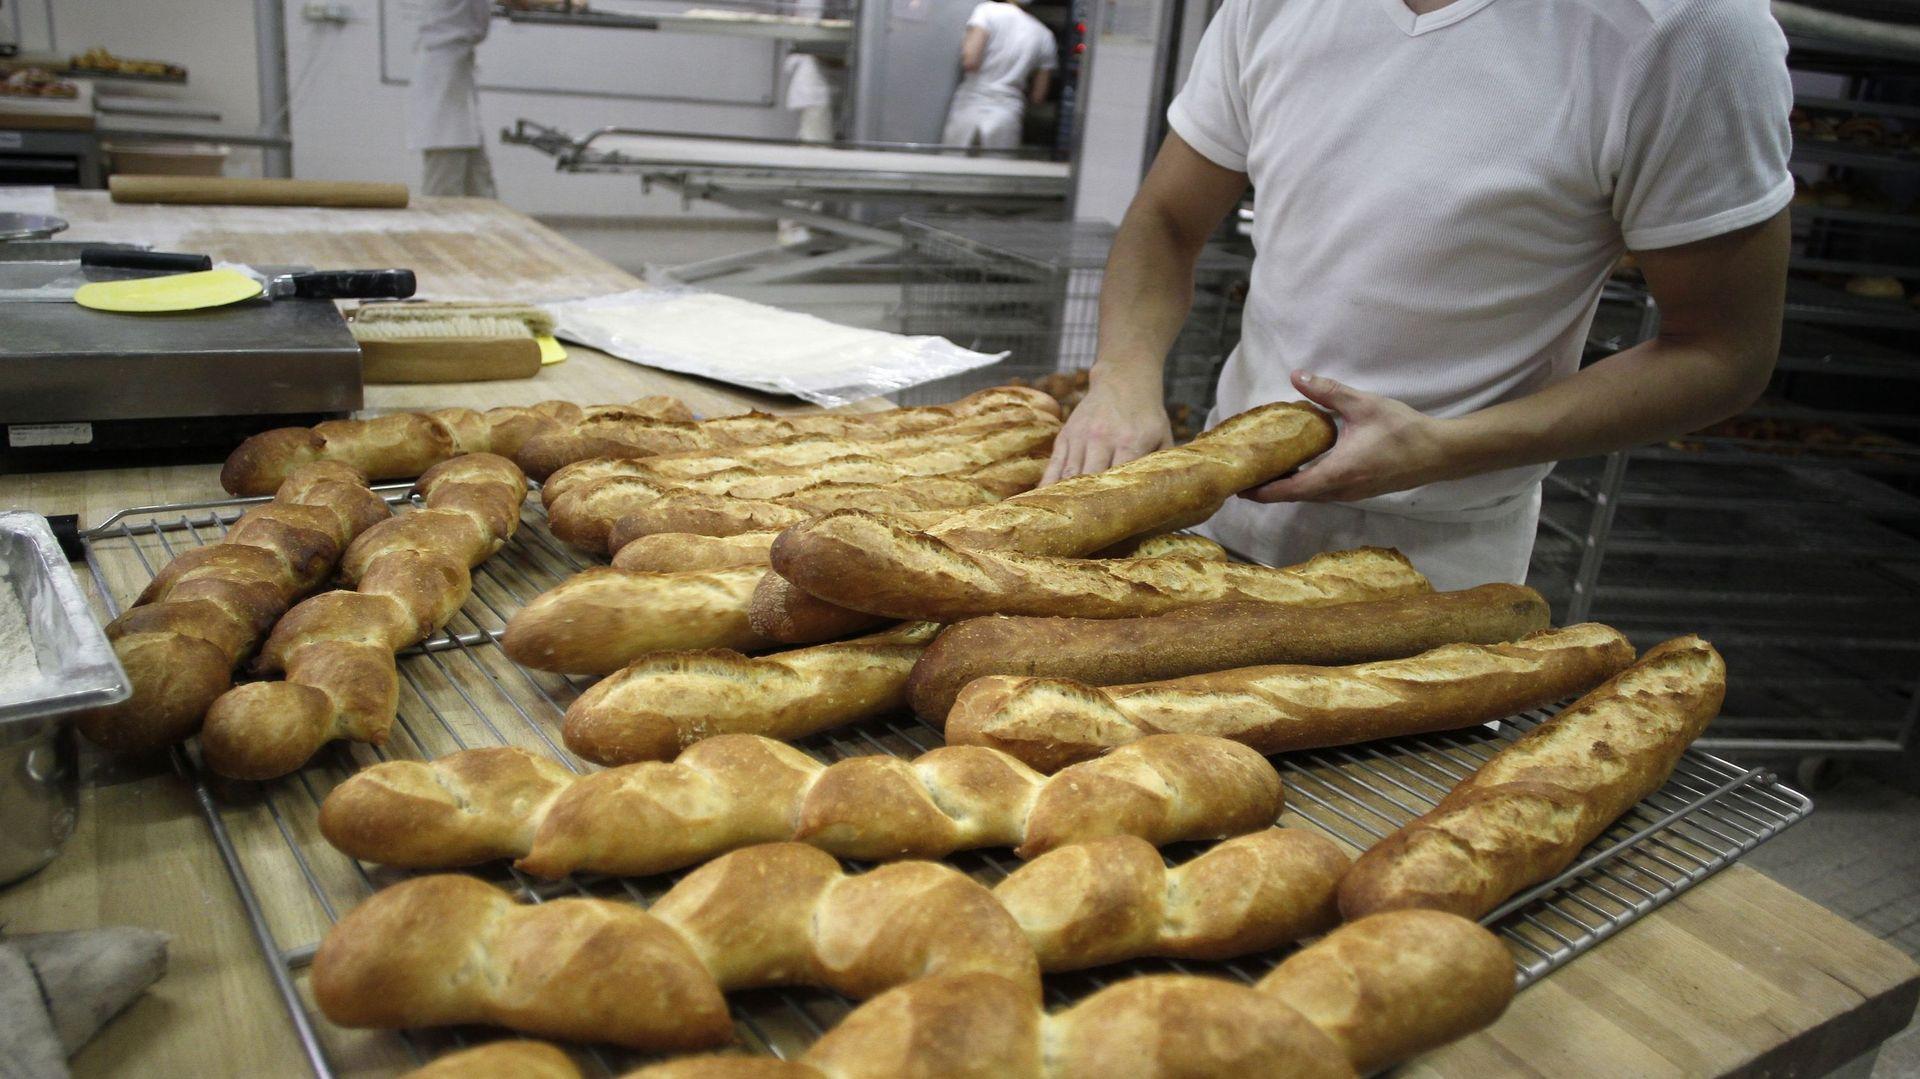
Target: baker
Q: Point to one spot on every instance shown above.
(1007, 57)
(1441, 190)
(443, 102)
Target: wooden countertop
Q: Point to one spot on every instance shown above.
(1739, 976)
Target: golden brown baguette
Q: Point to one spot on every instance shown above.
(208, 608)
(513, 1058)
(1166, 489)
(868, 563)
(602, 619)
(1050, 722)
(787, 914)
(735, 790)
(667, 552)
(584, 512)
(786, 466)
(1527, 813)
(780, 914)
(660, 704)
(1366, 995)
(725, 515)
(547, 453)
(410, 575)
(1215, 637)
(406, 444)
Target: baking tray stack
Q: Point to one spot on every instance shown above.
(459, 691)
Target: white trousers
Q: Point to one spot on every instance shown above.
(457, 171)
(1453, 554)
(983, 124)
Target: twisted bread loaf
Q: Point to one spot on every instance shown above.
(1164, 490)
(507, 1059)
(207, 610)
(1368, 994)
(337, 650)
(601, 619)
(786, 466)
(548, 452)
(584, 511)
(661, 704)
(1527, 813)
(786, 914)
(408, 443)
(1050, 723)
(1214, 637)
(782, 914)
(735, 790)
(726, 515)
(871, 564)
(669, 551)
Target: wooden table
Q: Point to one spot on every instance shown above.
(1739, 976)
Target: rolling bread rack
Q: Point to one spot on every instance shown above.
(460, 691)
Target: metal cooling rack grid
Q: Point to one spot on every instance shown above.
(460, 691)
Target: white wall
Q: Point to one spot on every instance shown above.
(213, 39)
(348, 123)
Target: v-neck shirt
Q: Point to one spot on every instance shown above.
(1439, 198)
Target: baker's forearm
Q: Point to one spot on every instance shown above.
(1648, 393)
(1145, 296)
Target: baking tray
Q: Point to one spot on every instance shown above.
(459, 690)
(77, 666)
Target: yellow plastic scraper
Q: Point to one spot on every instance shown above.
(217, 288)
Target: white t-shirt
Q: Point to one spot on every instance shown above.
(1438, 199)
(1017, 45)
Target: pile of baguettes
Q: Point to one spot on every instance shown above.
(1106, 687)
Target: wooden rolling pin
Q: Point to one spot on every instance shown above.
(225, 191)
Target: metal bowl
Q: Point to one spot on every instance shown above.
(15, 226)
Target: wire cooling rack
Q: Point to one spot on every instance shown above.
(460, 691)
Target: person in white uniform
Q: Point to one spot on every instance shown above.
(1441, 190)
(443, 104)
(1008, 57)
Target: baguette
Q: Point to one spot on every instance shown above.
(1367, 995)
(670, 551)
(209, 608)
(1526, 814)
(724, 515)
(735, 790)
(661, 704)
(406, 444)
(602, 619)
(1164, 490)
(410, 575)
(868, 563)
(441, 950)
(584, 512)
(786, 914)
(1050, 723)
(513, 1058)
(1215, 637)
(546, 453)
(798, 462)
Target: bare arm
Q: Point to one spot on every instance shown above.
(1720, 304)
(973, 49)
(1144, 300)
(1042, 82)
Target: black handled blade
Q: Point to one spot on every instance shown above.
(133, 258)
(345, 285)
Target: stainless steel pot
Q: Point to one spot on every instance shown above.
(39, 777)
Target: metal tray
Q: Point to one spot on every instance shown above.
(460, 691)
(77, 667)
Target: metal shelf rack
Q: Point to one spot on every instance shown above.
(1792, 540)
(460, 691)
